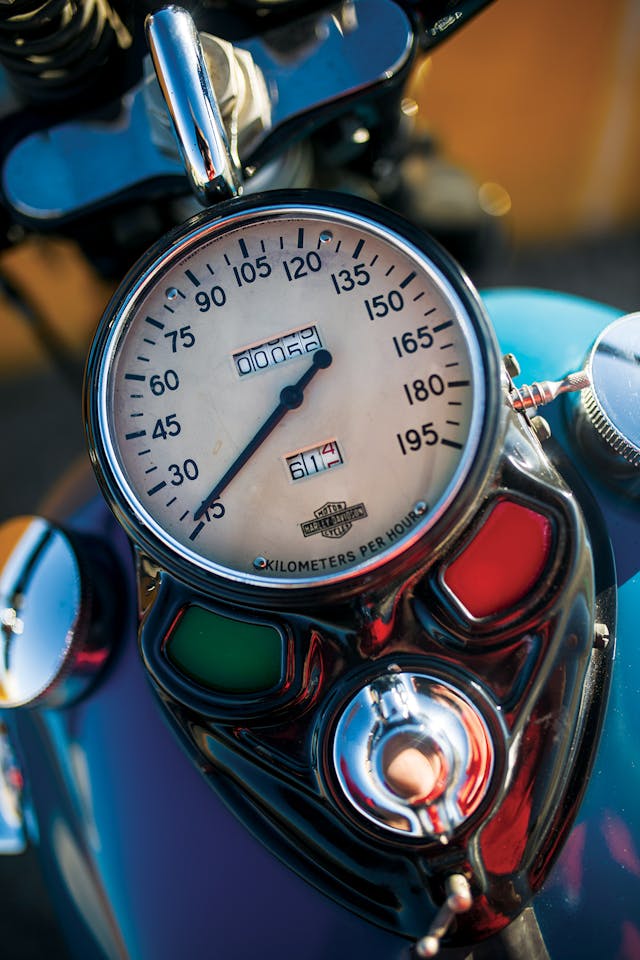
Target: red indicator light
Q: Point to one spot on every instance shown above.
(503, 562)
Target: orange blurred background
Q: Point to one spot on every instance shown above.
(543, 98)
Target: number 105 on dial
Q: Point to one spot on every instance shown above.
(308, 463)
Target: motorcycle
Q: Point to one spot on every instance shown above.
(330, 646)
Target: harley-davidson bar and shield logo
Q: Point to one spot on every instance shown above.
(334, 519)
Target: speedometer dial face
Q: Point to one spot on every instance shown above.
(288, 395)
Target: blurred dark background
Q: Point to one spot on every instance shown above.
(535, 111)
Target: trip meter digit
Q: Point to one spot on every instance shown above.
(289, 393)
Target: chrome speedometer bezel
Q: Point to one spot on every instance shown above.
(460, 494)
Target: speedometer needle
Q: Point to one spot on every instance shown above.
(291, 397)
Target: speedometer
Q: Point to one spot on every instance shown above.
(289, 392)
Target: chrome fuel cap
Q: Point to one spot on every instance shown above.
(611, 404)
(45, 653)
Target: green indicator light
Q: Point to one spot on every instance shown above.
(229, 656)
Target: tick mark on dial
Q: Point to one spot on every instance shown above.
(158, 486)
(407, 280)
(443, 326)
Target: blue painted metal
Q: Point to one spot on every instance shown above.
(146, 862)
(590, 906)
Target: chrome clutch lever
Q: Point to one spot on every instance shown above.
(189, 96)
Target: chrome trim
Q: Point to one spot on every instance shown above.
(612, 402)
(191, 101)
(48, 654)
(87, 162)
(40, 605)
(425, 714)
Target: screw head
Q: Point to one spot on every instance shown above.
(511, 365)
(541, 428)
